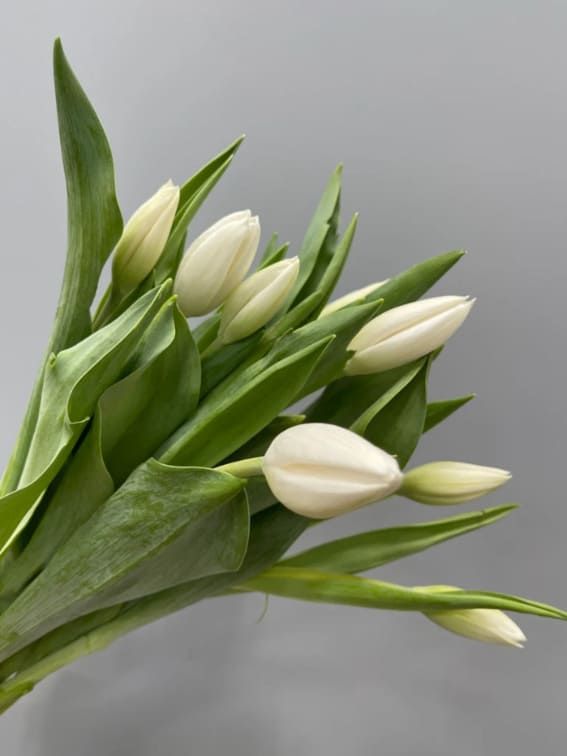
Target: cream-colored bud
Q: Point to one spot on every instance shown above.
(405, 333)
(144, 238)
(444, 483)
(216, 262)
(352, 296)
(320, 470)
(486, 625)
(257, 299)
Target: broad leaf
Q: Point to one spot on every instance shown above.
(272, 533)
(74, 380)
(164, 526)
(134, 416)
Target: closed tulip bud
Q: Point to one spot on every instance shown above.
(486, 625)
(257, 299)
(405, 333)
(319, 470)
(144, 238)
(216, 262)
(451, 482)
(352, 296)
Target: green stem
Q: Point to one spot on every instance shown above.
(244, 468)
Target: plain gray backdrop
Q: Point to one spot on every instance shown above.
(451, 120)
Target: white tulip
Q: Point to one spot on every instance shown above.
(257, 299)
(487, 625)
(451, 482)
(216, 262)
(144, 237)
(319, 470)
(405, 333)
(352, 296)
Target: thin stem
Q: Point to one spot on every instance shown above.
(244, 468)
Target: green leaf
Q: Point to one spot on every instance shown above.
(272, 533)
(348, 590)
(415, 281)
(134, 416)
(314, 301)
(141, 411)
(366, 551)
(322, 221)
(439, 411)
(396, 425)
(327, 252)
(342, 324)
(239, 407)
(164, 526)
(348, 399)
(273, 252)
(94, 225)
(94, 219)
(74, 380)
(221, 363)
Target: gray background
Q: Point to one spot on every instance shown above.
(451, 119)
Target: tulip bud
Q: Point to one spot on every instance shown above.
(319, 470)
(257, 299)
(216, 262)
(486, 625)
(352, 296)
(451, 482)
(404, 333)
(144, 238)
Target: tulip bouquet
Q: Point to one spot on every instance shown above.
(159, 462)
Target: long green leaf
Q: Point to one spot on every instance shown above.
(239, 408)
(415, 281)
(398, 425)
(366, 551)
(342, 324)
(317, 232)
(312, 303)
(94, 225)
(94, 219)
(348, 399)
(192, 195)
(336, 588)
